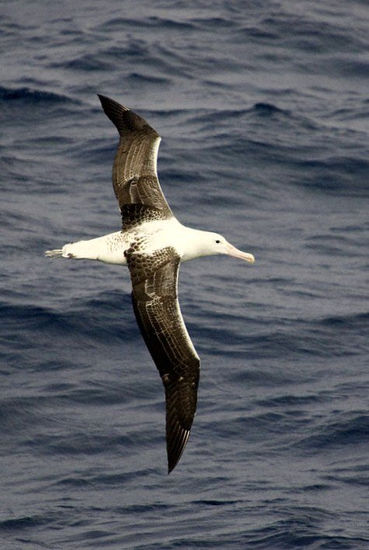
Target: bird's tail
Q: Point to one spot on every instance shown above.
(56, 253)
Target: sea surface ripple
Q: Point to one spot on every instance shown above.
(264, 112)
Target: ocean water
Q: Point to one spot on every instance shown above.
(264, 112)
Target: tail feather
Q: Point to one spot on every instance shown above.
(56, 253)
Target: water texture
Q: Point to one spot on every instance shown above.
(264, 112)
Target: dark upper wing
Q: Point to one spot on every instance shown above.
(135, 179)
(155, 281)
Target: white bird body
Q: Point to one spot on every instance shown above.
(188, 243)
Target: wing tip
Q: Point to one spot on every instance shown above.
(175, 449)
(114, 111)
(123, 118)
(107, 102)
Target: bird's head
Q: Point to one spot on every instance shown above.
(217, 244)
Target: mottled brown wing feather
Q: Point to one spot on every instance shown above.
(154, 296)
(135, 179)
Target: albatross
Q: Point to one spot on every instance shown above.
(152, 244)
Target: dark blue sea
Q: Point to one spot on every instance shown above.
(263, 107)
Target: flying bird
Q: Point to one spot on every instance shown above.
(153, 243)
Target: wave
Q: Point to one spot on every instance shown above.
(97, 319)
(300, 531)
(29, 95)
(151, 22)
(266, 109)
(349, 430)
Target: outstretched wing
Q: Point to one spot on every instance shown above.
(135, 179)
(155, 303)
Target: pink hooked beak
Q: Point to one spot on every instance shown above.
(233, 251)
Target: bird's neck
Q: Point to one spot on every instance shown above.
(194, 244)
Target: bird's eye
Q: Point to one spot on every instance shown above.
(217, 241)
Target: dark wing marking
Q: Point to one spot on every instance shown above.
(154, 296)
(134, 214)
(135, 179)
